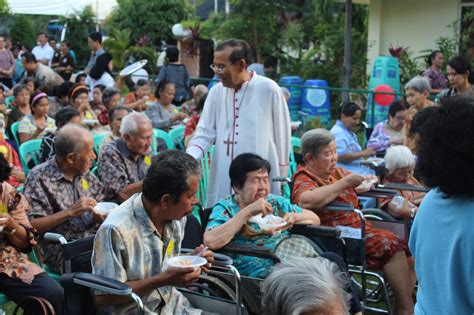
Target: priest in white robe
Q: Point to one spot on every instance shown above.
(243, 113)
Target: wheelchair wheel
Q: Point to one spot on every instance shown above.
(214, 287)
(377, 215)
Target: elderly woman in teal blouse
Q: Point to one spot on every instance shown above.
(229, 221)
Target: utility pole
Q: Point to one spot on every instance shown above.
(347, 50)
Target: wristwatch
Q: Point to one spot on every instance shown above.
(413, 212)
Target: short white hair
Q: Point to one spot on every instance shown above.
(132, 121)
(398, 156)
(304, 284)
(419, 83)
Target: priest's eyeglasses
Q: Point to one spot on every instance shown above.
(220, 68)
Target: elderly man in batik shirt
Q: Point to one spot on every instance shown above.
(62, 192)
(136, 240)
(123, 163)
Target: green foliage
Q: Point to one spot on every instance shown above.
(254, 21)
(4, 7)
(153, 18)
(119, 45)
(22, 31)
(409, 67)
(80, 25)
(467, 36)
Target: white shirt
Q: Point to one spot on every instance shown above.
(106, 80)
(43, 52)
(253, 119)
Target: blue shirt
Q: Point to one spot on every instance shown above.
(442, 243)
(251, 234)
(346, 142)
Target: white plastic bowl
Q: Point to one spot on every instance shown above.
(105, 207)
(269, 222)
(186, 261)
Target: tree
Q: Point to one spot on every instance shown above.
(153, 18)
(257, 22)
(22, 31)
(79, 26)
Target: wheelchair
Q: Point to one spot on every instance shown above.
(79, 286)
(308, 238)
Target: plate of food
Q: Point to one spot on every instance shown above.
(375, 161)
(186, 261)
(105, 207)
(269, 222)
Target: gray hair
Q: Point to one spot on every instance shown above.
(315, 283)
(200, 90)
(70, 139)
(286, 93)
(313, 141)
(398, 156)
(108, 93)
(132, 122)
(419, 84)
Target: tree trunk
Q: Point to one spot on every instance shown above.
(347, 50)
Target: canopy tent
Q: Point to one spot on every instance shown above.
(60, 7)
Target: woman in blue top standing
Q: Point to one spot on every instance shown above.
(442, 235)
(348, 148)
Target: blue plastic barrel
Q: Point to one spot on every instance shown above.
(294, 103)
(316, 102)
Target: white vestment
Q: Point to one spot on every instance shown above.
(254, 119)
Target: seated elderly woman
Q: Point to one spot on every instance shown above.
(19, 277)
(400, 163)
(231, 219)
(417, 91)
(318, 181)
(316, 283)
(390, 131)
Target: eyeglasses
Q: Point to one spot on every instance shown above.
(220, 68)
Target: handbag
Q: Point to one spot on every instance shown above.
(43, 305)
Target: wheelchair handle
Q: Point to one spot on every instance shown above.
(55, 238)
(339, 206)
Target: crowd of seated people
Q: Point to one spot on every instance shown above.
(155, 194)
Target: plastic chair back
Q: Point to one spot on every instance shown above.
(295, 144)
(98, 141)
(29, 154)
(164, 136)
(204, 178)
(14, 129)
(177, 136)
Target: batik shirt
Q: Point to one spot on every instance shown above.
(251, 233)
(13, 262)
(117, 168)
(48, 192)
(128, 247)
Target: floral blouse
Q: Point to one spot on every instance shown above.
(13, 261)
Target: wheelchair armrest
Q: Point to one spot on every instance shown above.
(339, 206)
(379, 192)
(250, 250)
(219, 259)
(96, 282)
(55, 238)
(315, 230)
(402, 186)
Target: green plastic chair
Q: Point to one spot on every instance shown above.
(163, 135)
(30, 150)
(14, 128)
(8, 101)
(295, 144)
(177, 136)
(98, 139)
(204, 178)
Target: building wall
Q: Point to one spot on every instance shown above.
(413, 23)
